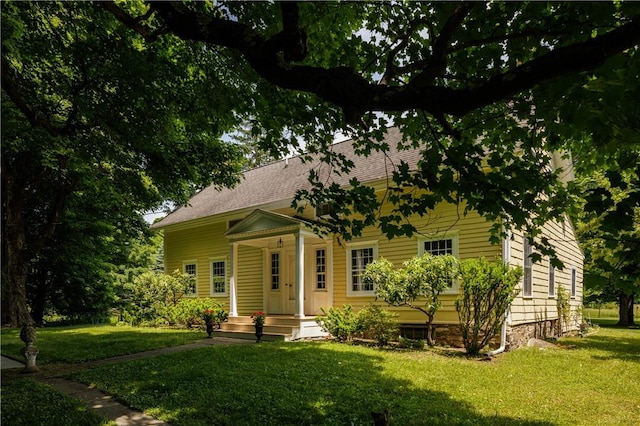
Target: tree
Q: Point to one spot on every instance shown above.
(88, 110)
(417, 284)
(477, 86)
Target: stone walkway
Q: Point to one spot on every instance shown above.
(99, 401)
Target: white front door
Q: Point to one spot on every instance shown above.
(281, 282)
(318, 279)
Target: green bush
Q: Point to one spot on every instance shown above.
(342, 324)
(190, 311)
(405, 342)
(153, 297)
(488, 288)
(377, 324)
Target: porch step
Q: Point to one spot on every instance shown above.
(251, 336)
(275, 328)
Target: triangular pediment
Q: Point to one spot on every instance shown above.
(260, 221)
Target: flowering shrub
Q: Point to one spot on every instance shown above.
(258, 317)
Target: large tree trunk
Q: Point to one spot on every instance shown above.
(626, 310)
(15, 264)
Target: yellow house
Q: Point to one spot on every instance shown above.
(251, 251)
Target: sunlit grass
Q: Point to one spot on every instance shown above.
(26, 403)
(75, 344)
(593, 380)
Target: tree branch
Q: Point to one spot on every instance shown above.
(134, 23)
(346, 88)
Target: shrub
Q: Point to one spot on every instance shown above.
(377, 324)
(405, 342)
(488, 288)
(563, 304)
(340, 323)
(152, 297)
(190, 312)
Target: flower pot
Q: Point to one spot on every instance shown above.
(258, 332)
(209, 329)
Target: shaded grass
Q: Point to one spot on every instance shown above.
(596, 382)
(74, 344)
(26, 402)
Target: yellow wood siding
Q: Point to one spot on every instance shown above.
(249, 281)
(201, 244)
(541, 306)
(472, 232)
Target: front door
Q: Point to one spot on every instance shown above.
(281, 283)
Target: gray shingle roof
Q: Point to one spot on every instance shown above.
(280, 180)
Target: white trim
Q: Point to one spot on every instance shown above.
(573, 283)
(551, 278)
(357, 246)
(195, 275)
(454, 237)
(525, 241)
(212, 293)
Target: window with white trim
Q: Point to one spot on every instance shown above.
(275, 271)
(191, 267)
(321, 269)
(358, 257)
(447, 244)
(218, 277)
(527, 266)
(573, 281)
(552, 279)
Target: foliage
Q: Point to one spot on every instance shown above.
(195, 311)
(258, 318)
(76, 344)
(377, 324)
(153, 297)
(405, 342)
(215, 316)
(325, 383)
(417, 285)
(88, 145)
(563, 304)
(487, 290)
(342, 324)
(46, 406)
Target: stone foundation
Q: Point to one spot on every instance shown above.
(451, 334)
(519, 335)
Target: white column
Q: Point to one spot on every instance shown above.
(233, 266)
(299, 276)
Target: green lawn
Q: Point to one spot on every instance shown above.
(74, 344)
(593, 381)
(26, 403)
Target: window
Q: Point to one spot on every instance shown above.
(218, 278)
(358, 257)
(321, 269)
(190, 267)
(447, 244)
(527, 283)
(552, 279)
(573, 281)
(275, 271)
(325, 209)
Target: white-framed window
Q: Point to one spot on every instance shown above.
(275, 271)
(218, 277)
(552, 280)
(321, 269)
(527, 266)
(359, 255)
(573, 281)
(438, 246)
(191, 267)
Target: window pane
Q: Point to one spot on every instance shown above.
(439, 247)
(527, 285)
(321, 265)
(275, 271)
(360, 258)
(218, 276)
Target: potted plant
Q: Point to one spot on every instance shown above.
(258, 318)
(213, 318)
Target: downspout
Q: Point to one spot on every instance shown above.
(506, 257)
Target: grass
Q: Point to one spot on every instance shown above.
(26, 402)
(593, 380)
(75, 344)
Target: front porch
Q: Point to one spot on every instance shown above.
(276, 327)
